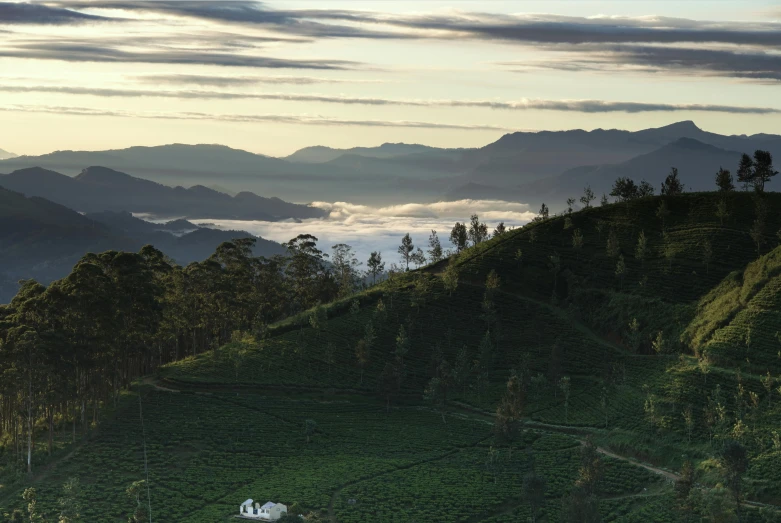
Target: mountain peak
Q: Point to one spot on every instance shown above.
(4, 155)
(683, 126)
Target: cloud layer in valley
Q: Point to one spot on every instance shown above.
(370, 229)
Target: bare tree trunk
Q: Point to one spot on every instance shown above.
(29, 425)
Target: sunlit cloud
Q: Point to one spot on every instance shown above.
(249, 118)
(369, 228)
(581, 106)
(231, 81)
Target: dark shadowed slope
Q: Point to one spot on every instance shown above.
(42, 240)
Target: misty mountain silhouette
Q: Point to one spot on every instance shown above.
(394, 173)
(102, 189)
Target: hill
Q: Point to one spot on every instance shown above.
(658, 354)
(97, 189)
(42, 240)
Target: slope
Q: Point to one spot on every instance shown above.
(236, 428)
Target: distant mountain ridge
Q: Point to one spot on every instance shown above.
(395, 173)
(98, 189)
(5, 155)
(322, 154)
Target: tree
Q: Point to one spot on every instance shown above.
(684, 484)
(577, 240)
(418, 258)
(478, 232)
(624, 189)
(70, 506)
(733, 459)
(604, 201)
(450, 277)
(434, 247)
(405, 250)
(31, 497)
(389, 383)
(436, 391)
(362, 356)
(570, 203)
(402, 345)
(544, 212)
(510, 409)
(659, 345)
(534, 487)
(669, 250)
(588, 197)
(621, 270)
(721, 210)
(763, 169)
(580, 507)
(134, 492)
(459, 236)
(564, 385)
(645, 189)
(758, 228)
(345, 267)
(672, 185)
(746, 171)
(310, 428)
(591, 468)
(641, 249)
(304, 269)
(707, 254)
(500, 229)
(613, 248)
(662, 212)
(376, 265)
(767, 383)
(724, 180)
(688, 421)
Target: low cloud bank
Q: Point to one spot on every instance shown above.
(369, 228)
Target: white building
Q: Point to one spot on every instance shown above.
(268, 512)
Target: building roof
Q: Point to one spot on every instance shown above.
(248, 502)
(269, 504)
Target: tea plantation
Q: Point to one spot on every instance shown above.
(658, 354)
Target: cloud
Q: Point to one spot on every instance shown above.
(250, 118)
(581, 106)
(226, 81)
(97, 52)
(753, 65)
(368, 228)
(525, 28)
(302, 23)
(26, 13)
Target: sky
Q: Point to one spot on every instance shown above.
(273, 77)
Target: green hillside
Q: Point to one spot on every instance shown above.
(657, 354)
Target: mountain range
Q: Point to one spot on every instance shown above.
(98, 189)
(525, 166)
(42, 240)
